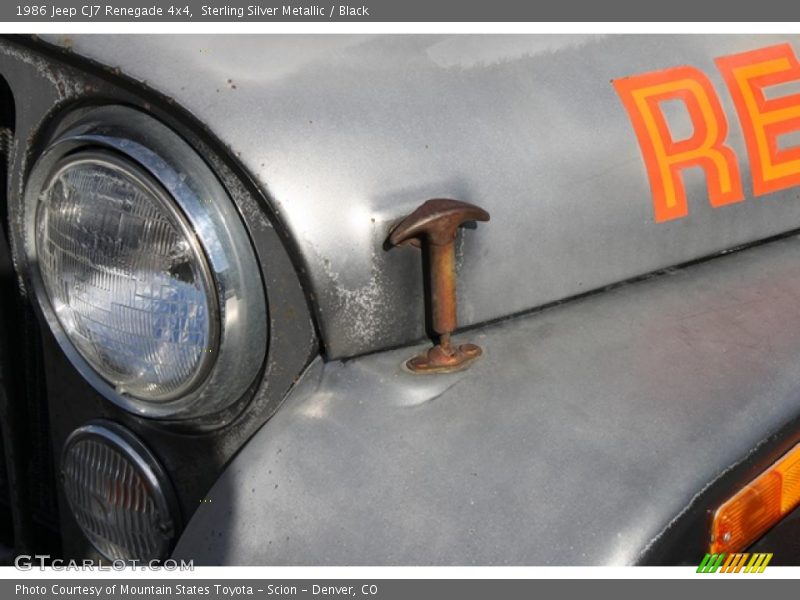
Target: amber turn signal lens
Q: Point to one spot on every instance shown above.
(758, 506)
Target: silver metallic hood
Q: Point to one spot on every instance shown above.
(349, 133)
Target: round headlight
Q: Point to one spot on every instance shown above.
(143, 268)
(118, 493)
(126, 277)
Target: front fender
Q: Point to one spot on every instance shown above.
(601, 431)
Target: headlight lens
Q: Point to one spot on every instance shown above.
(118, 493)
(126, 277)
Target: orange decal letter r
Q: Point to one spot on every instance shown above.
(664, 157)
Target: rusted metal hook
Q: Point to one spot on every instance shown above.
(436, 223)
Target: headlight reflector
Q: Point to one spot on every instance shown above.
(118, 493)
(126, 277)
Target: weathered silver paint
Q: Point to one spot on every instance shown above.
(349, 133)
(619, 409)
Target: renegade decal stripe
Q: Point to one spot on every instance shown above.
(764, 121)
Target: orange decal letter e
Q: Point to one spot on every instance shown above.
(764, 121)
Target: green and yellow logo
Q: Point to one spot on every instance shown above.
(735, 563)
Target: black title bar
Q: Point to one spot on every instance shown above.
(65, 11)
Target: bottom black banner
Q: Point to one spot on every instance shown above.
(382, 589)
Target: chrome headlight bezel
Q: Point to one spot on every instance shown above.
(134, 138)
